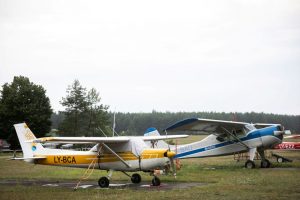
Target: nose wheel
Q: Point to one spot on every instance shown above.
(155, 181)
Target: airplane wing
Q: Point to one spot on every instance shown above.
(115, 140)
(262, 125)
(162, 137)
(206, 125)
(82, 140)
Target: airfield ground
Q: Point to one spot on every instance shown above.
(205, 178)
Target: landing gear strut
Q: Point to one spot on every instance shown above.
(265, 163)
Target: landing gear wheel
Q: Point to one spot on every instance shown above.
(279, 160)
(249, 164)
(155, 181)
(136, 178)
(265, 164)
(103, 182)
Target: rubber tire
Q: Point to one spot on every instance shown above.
(155, 181)
(249, 164)
(279, 160)
(265, 164)
(103, 182)
(136, 178)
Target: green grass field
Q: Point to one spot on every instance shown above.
(224, 178)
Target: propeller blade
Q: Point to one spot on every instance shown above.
(173, 167)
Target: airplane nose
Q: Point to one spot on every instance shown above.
(169, 154)
(278, 133)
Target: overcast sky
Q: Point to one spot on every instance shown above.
(232, 56)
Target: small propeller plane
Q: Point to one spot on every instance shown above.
(226, 137)
(125, 154)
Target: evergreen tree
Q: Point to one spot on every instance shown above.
(97, 113)
(84, 115)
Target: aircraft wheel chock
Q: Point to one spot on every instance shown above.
(155, 181)
(249, 164)
(265, 164)
(103, 182)
(136, 178)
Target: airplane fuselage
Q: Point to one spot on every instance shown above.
(211, 146)
(149, 159)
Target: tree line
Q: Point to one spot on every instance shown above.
(137, 123)
(85, 115)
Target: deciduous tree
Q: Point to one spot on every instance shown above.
(23, 101)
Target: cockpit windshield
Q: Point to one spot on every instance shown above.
(249, 127)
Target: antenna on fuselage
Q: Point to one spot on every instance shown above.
(114, 124)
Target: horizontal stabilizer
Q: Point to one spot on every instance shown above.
(34, 158)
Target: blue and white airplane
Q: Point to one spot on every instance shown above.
(226, 137)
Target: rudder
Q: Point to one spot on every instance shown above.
(24, 135)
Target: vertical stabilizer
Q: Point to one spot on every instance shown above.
(154, 132)
(25, 135)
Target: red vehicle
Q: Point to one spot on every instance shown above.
(288, 146)
(292, 137)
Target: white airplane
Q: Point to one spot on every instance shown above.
(125, 154)
(226, 137)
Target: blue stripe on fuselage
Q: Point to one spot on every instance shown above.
(252, 135)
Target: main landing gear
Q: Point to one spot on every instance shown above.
(103, 182)
(136, 178)
(265, 163)
(249, 164)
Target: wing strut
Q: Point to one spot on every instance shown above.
(235, 137)
(121, 159)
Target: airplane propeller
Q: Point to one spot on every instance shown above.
(282, 131)
(170, 154)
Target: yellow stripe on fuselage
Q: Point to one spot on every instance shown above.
(104, 158)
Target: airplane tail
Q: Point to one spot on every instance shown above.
(154, 132)
(29, 148)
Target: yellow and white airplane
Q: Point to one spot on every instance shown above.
(123, 153)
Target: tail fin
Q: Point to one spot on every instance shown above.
(154, 132)
(24, 135)
(151, 132)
